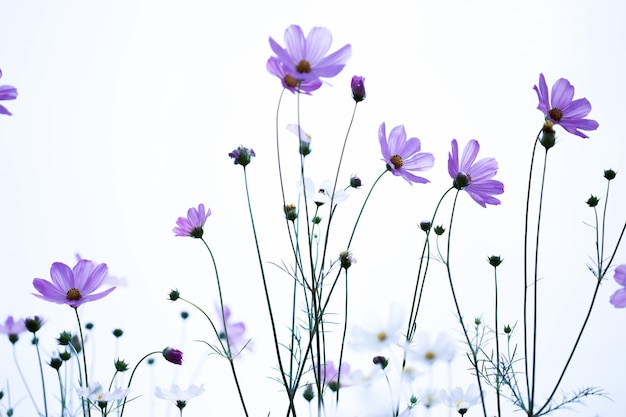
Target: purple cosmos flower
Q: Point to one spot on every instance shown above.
(304, 59)
(402, 155)
(7, 92)
(13, 328)
(236, 331)
(358, 88)
(618, 299)
(73, 286)
(333, 378)
(563, 110)
(474, 177)
(172, 355)
(193, 223)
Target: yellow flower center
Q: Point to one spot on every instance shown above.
(430, 355)
(73, 295)
(303, 67)
(382, 336)
(556, 114)
(397, 161)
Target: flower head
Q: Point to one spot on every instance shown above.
(358, 88)
(618, 299)
(425, 350)
(377, 332)
(303, 61)
(242, 156)
(7, 92)
(13, 328)
(459, 400)
(236, 331)
(303, 137)
(172, 355)
(75, 286)
(333, 377)
(179, 396)
(474, 177)
(403, 156)
(192, 224)
(323, 194)
(562, 109)
(96, 395)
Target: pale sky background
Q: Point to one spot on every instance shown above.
(127, 111)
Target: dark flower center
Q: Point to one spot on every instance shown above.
(397, 161)
(556, 114)
(197, 232)
(290, 81)
(73, 294)
(303, 67)
(462, 180)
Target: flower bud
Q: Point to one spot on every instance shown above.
(355, 182)
(184, 315)
(174, 295)
(380, 361)
(316, 220)
(89, 326)
(33, 324)
(65, 356)
(65, 338)
(118, 332)
(358, 88)
(121, 365)
(439, 230)
(174, 356)
(291, 212)
(308, 393)
(593, 201)
(477, 321)
(425, 225)
(494, 261)
(56, 363)
(609, 174)
(346, 259)
(548, 135)
(507, 329)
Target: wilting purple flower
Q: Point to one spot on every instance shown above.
(402, 155)
(562, 109)
(242, 155)
(74, 286)
(172, 355)
(304, 58)
(358, 88)
(474, 177)
(334, 378)
(236, 331)
(192, 224)
(618, 299)
(7, 92)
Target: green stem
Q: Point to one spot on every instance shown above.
(19, 370)
(82, 344)
(132, 374)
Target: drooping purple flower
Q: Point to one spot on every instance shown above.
(358, 88)
(473, 176)
(562, 109)
(304, 59)
(403, 156)
(618, 299)
(75, 286)
(7, 92)
(172, 355)
(13, 328)
(192, 224)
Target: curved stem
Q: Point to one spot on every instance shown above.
(458, 310)
(82, 344)
(356, 223)
(132, 374)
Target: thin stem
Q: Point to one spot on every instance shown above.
(531, 400)
(356, 223)
(62, 393)
(82, 344)
(19, 370)
(458, 309)
(43, 382)
(498, 373)
(132, 374)
(290, 392)
(343, 338)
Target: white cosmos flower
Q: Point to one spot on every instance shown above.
(95, 393)
(375, 332)
(175, 393)
(459, 400)
(323, 193)
(423, 349)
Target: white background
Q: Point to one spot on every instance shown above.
(127, 111)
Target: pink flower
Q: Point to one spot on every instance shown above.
(192, 224)
(7, 92)
(74, 286)
(618, 299)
